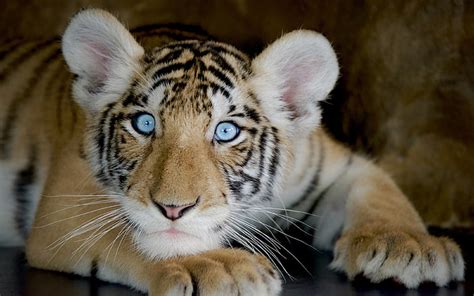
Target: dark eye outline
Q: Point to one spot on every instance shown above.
(134, 121)
(227, 141)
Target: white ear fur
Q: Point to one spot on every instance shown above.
(291, 75)
(103, 54)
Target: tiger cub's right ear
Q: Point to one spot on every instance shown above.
(104, 56)
(290, 78)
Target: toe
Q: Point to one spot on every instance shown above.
(434, 264)
(455, 259)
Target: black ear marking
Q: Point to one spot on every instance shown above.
(95, 88)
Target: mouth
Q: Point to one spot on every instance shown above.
(171, 241)
(173, 232)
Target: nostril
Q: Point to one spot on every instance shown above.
(174, 212)
(160, 207)
(188, 207)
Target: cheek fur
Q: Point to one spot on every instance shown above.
(253, 175)
(115, 152)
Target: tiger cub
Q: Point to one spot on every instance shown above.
(163, 156)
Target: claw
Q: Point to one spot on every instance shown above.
(408, 258)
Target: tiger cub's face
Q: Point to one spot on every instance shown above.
(193, 135)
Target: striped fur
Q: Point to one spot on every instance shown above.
(101, 185)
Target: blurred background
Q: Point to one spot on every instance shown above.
(405, 96)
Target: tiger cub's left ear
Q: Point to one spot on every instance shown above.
(291, 76)
(104, 56)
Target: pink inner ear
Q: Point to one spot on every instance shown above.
(289, 96)
(100, 57)
(298, 75)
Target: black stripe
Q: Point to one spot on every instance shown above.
(274, 161)
(24, 179)
(170, 56)
(315, 180)
(143, 100)
(73, 107)
(253, 97)
(195, 284)
(221, 48)
(136, 100)
(112, 143)
(252, 113)
(101, 138)
(94, 283)
(121, 163)
(247, 157)
(172, 68)
(175, 28)
(82, 152)
(221, 76)
(15, 106)
(321, 196)
(101, 135)
(215, 88)
(175, 37)
(59, 95)
(160, 83)
(16, 62)
(94, 269)
(316, 202)
(253, 131)
(12, 47)
(231, 108)
(130, 99)
(236, 188)
(131, 165)
(191, 45)
(262, 146)
(275, 158)
(237, 115)
(178, 86)
(223, 64)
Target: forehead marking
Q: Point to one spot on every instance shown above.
(194, 76)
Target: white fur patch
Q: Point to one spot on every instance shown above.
(197, 230)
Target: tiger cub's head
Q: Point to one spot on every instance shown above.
(193, 135)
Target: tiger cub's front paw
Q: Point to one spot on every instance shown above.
(219, 272)
(410, 257)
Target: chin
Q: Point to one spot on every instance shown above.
(162, 245)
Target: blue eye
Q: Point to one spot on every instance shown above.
(226, 131)
(143, 123)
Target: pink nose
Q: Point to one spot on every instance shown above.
(174, 212)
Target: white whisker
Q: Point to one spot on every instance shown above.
(284, 233)
(69, 207)
(77, 216)
(247, 243)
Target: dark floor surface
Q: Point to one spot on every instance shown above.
(18, 279)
